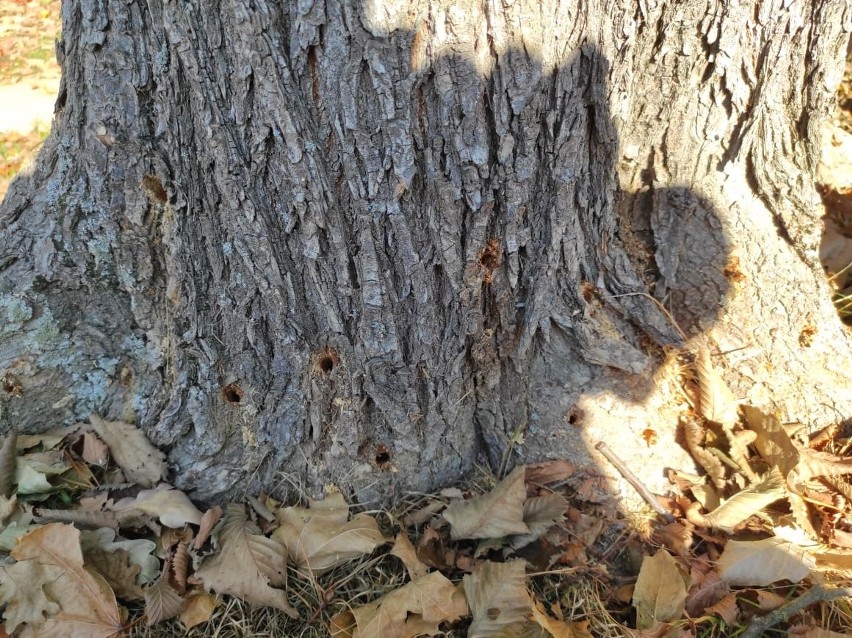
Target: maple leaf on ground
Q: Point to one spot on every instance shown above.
(498, 513)
(498, 597)
(22, 592)
(248, 564)
(87, 604)
(415, 609)
(322, 537)
(660, 592)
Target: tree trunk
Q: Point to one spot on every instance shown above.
(310, 243)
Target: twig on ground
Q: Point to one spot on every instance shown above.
(817, 593)
(631, 478)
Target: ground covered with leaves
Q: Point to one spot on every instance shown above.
(97, 544)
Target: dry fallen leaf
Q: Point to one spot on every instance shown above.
(498, 597)
(8, 456)
(772, 442)
(549, 472)
(95, 451)
(748, 502)
(758, 563)
(132, 452)
(540, 514)
(87, 604)
(171, 506)
(199, 609)
(208, 522)
(322, 537)
(660, 592)
(22, 593)
(404, 550)
(494, 515)
(162, 601)
(248, 564)
(412, 610)
(117, 569)
(559, 628)
(717, 403)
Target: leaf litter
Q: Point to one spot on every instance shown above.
(757, 539)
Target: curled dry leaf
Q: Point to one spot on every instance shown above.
(498, 597)
(660, 592)
(496, 514)
(758, 563)
(716, 403)
(248, 565)
(322, 537)
(748, 502)
(208, 522)
(199, 609)
(540, 514)
(694, 435)
(772, 441)
(172, 507)
(132, 452)
(180, 565)
(162, 601)
(548, 472)
(415, 609)
(8, 456)
(95, 451)
(404, 550)
(117, 569)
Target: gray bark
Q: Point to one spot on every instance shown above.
(326, 242)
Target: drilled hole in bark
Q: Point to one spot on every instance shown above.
(382, 456)
(154, 188)
(574, 416)
(490, 256)
(326, 361)
(232, 393)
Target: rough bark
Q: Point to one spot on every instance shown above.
(368, 244)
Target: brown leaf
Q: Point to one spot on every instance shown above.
(748, 502)
(87, 604)
(118, 571)
(132, 452)
(322, 537)
(199, 609)
(726, 609)
(549, 472)
(758, 563)
(172, 507)
(694, 435)
(660, 593)
(412, 610)
(493, 515)
(813, 463)
(559, 628)
(8, 461)
(498, 597)
(404, 550)
(707, 590)
(95, 451)
(247, 564)
(22, 593)
(208, 522)
(180, 565)
(540, 514)
(676, 536)
(717, 403)
(162, 602)
(772, 442)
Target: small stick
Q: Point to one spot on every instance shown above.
(817, 593)
(631, 478)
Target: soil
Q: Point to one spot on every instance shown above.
(29, 80)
